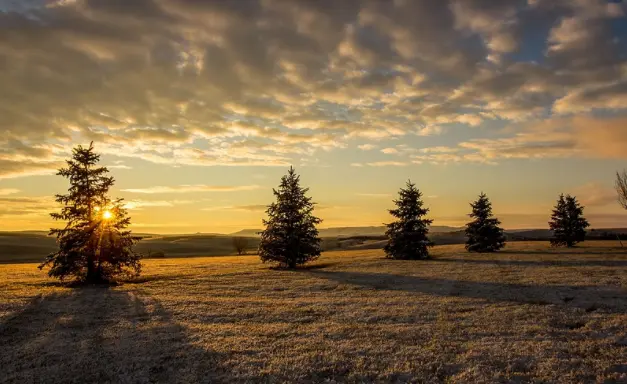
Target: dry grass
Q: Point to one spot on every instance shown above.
(528, 314)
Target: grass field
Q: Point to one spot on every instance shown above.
(527, 314)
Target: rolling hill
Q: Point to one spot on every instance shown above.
(33, 246)
(351, 231)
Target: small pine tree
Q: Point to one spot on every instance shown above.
(559, 222)
(483, 233)
(94, 245)
(408, 236)
(567, 222)
(291, 237)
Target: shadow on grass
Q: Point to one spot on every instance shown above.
(307, 267)
(98, 334)
(152, 278)
(589, 298)
(566, 252)
(131, 280)
(537, 263)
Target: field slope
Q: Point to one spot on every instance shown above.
(528, 314)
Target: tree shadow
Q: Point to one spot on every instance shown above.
(98, 334)
(153, 278)
(537, 263)
(589, 298)
(563, 251)
(307, 267)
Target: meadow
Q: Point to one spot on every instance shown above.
(530, 313)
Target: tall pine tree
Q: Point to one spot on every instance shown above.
(94, 244)
(291, 237)
(408, 236)
(567, 222)
(483, 233)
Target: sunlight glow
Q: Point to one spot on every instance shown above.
(107, 215)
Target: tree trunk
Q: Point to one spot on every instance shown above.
(92, 271)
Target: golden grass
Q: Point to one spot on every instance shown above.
(527, 314)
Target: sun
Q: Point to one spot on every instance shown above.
(107, 215)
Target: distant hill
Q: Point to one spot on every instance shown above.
(25, 246)
(351, 231)
(33, 246)
(545, 234)
(246, 233)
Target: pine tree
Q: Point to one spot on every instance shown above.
(94, 244)
(483, 233)
(290, 237)
(408, 236)
(559, 222)
(567, 222)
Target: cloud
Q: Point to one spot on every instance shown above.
(8, 191)
(191, 188)
(162, 225)
(584, 137)
(401, 149)
(595, 195)
(18, 207)
(608, 96)
(387, 164)
(258, 208)
(137, 204)
(267, 82)
(389, 151)
(374, 195)
(118, 166)
(241, 208)
(601, 138)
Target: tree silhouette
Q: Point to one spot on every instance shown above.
(290, 237)
(94, 244)
(567, 222)
(240, 244)
(407, 237)
(483, 233)
(621, 188)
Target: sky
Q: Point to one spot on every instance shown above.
(199, 107)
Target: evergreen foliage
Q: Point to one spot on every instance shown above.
(483, 233)
(408, 236)
(291, 237)
(94, 244)
(567, 222)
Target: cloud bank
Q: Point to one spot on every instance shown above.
(267, 82)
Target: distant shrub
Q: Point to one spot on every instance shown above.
(240, 244)
(330, 244)
(154, 255)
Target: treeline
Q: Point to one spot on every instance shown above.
(96, 246)
(291, 237)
